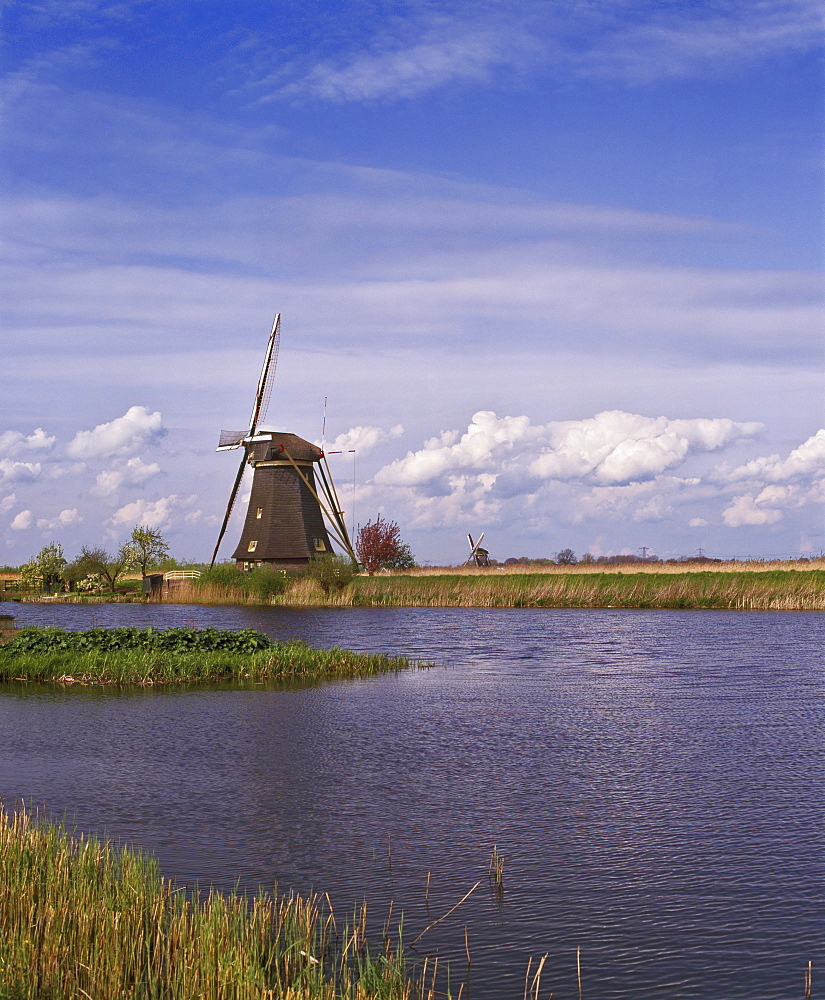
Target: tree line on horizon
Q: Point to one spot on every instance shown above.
(378, 546)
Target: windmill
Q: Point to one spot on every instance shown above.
(285, 521)
(478, 556)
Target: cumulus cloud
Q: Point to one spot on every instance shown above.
(612, 447)
(746, 510)
(122, 436)
(363, 439)
(11, 471)
(806, 460)
(22, 521)
(13, 442)
(63, 520)
(151, 513)
(619, 447)
(8, 502)
(134, 472)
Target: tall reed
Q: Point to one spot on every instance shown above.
(83, 918)
(564, 587)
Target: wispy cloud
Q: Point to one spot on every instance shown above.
(447, 51)
(680, 40)
(441, 46)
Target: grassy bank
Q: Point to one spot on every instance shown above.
(177, 656)
(82, 918)
(775, 589)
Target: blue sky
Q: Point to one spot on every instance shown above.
(554, 265)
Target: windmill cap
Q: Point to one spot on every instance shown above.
(267, 445)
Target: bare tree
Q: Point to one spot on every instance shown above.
(97, 561)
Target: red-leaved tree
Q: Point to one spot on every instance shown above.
(378, 543)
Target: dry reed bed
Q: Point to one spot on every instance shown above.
(768, 590)
(730, 566)
(82, 918)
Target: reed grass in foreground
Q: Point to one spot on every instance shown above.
(73, 657)
(83, 918)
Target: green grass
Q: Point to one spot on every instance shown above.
(82, 918)
(178, 656)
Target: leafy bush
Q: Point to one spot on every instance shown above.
(332, 572)
(178, 640)
(261, 582)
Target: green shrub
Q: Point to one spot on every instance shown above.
(332, 572)
(173, 640)
(261, 582)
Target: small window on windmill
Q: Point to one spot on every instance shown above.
(252, 545)
(260, 513)
(320, 544)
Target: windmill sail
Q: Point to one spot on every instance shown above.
(231, 439)
(264, 392)
(229, 507)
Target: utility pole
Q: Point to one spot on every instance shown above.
(643, 549)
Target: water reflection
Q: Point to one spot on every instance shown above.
(645, 775)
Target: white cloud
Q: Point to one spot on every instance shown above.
(622, 447)
(612, 447)
(808, 459)
(8, 502)
(678, 41)
(150, 513)
(639, 43)
(122, 436)
(447, 52)
(22, 521)
(134, 472)
(363, 439)
(745, 510)
(64, 519)
(697, 522)
(13, 442)
(11, 471)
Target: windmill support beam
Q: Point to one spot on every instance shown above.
(328, 513)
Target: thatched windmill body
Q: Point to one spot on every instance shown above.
(285, 522)
(478, 556)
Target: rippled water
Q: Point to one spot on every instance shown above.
(652, 780)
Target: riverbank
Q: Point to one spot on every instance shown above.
(148, 657)
(82, 917)
(766, 590)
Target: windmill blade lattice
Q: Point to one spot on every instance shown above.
(232, 497)
(264, 393)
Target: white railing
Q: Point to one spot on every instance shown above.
(181, 574)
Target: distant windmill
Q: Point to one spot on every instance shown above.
(287, 505)
(478, 556)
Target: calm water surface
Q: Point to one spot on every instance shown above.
(652, 780)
